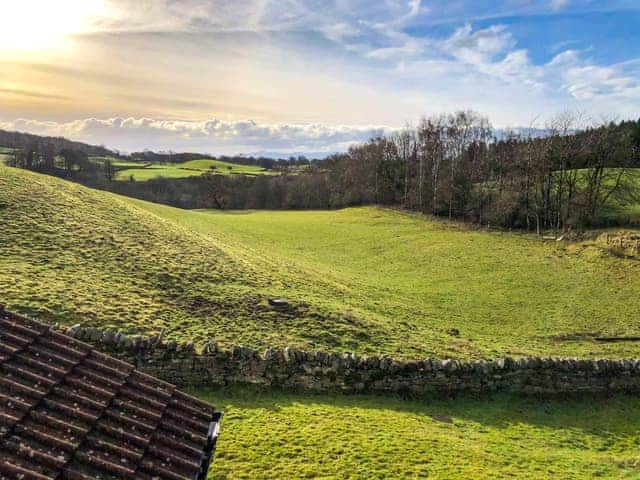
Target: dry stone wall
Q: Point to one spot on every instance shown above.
(287, 368)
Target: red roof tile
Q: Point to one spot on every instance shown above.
(70, 412)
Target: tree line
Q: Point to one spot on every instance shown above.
(452, 165)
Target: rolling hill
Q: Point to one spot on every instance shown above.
(142, 171)
(366, 280)
(369, 280)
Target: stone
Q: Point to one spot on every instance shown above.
(94, 334)
(108, 337)
(73, 330)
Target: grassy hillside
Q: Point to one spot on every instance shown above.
(368, 280)
(147, 171)
(418, 279)
(275, 435)
(69, 253)
(364, 280)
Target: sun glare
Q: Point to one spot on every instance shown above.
(43, 24)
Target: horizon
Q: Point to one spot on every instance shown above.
(304, 78)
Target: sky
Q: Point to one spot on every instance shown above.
(306, 76)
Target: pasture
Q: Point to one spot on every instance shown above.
(368, 280)
(5, 154)
(143, 171)
(269, 435)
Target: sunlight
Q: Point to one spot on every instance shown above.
(43, 24)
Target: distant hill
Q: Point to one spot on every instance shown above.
(21, 139)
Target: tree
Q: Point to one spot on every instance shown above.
(109, 170)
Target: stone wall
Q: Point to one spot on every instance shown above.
(325, 372)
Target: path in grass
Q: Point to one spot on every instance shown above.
(280, 435)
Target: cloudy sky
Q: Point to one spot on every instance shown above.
(244, 76)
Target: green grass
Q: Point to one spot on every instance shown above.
(69, 253)
(367, 280)
(279, 435)
(185, 169)
(414, 279)
(5, 154)
(118, 163)
(624, 209)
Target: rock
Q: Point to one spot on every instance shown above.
(288, 355)
(278, 302)
(270, 354)
(211, 347)
(108, 337)
(73, 330)
(119, 340)
(94, 334)
(127, 344)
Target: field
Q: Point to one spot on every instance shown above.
(279, 435)
(5, 154)
(142, 171)
(120, 164)
(625, 210)
(368, 280)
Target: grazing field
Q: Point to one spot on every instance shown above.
(119, 163)
(5, 154)
(141, 171)
(625, 208)
(368, 280)
(505, 293)
(279, 435)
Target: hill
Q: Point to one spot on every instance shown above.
(191, 168)
(366, 280)
(68, 252)
(21, 139)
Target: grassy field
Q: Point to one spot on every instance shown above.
(415, 279)
(279, 435)
(624, 210)
(5, 154)
(367, 280)
(119, 163)
(183, 170)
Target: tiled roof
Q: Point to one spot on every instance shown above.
(69, 412)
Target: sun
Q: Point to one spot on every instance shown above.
(43, 24)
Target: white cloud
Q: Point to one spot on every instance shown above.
(480, 46)
(351, 61)
(215, 136)
(559, 4)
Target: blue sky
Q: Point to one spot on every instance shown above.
(247, 76)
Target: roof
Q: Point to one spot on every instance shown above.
(70, 412)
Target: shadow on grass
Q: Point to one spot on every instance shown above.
(602, 416)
